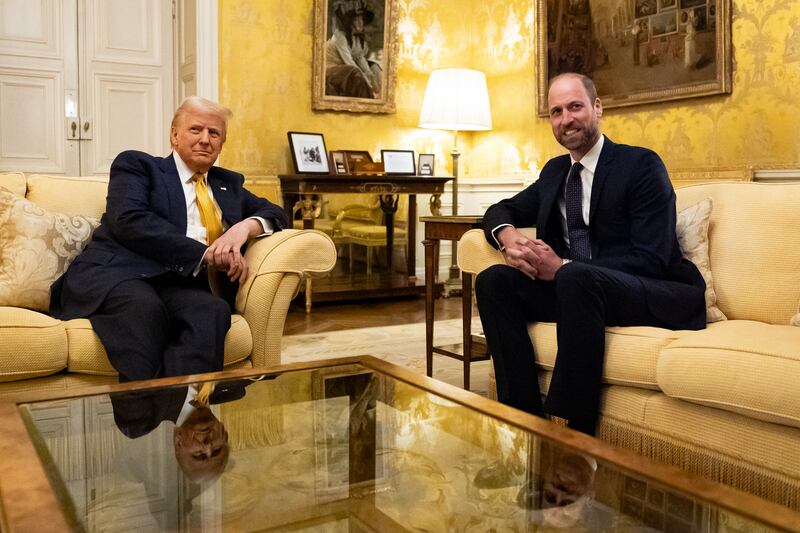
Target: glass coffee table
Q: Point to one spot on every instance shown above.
(354, 444)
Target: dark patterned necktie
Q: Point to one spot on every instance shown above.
(579, 249)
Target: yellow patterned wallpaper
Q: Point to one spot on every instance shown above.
(265, 77)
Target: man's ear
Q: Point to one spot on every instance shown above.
(598, 107)
(173, 136)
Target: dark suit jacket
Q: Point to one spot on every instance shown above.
(631, 227)
(143, 231)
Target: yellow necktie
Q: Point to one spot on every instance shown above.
(208, 213)
(203, 398)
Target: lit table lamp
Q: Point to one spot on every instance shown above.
(456, 99)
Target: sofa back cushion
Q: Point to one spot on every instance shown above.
(85, 195)
(754, 247)
(14, 182)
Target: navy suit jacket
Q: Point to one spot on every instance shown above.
(142, 234)
(631, 227)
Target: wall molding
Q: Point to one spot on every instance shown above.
(207, 49)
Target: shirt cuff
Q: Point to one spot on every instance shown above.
(494, 235)
(266, 225)
(199, 266)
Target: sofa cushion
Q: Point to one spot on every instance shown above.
(14, 182)
(31, 344)
(88, 356)
(37, 246)
(631, 352)
(741, 366)
(692, 231)
(754, 247)
(85, 195)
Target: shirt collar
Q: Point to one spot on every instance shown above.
(590, 159)
(183, 170)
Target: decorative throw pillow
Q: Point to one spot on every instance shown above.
(795, 321)
(692, 229)
(36, 247)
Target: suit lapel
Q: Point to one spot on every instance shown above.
(600, 175)
(177, 200)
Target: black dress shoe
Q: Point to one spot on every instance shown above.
(496, 476)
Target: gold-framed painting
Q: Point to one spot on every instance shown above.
(636, 51)
(355, 55)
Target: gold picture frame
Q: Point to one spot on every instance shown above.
(672, 61)
(363, 76)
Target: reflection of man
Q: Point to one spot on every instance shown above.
(200, 439)
(606, 255)
(142, 279)
(566, 494)
(351, 69)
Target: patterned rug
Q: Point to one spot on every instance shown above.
(403, 345)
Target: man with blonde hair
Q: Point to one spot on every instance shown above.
(173, 227)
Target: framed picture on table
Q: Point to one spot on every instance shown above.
(308, 153)
(425, 167)
(399, 162)
(338, 162)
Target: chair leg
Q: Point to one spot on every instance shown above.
(369, 260)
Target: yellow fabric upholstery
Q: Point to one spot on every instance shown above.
(31, 344)
(721, 402)
(754, 247)
(631, 352)
(87, 355)
(14, 182)
(85, 195)
(740, 366)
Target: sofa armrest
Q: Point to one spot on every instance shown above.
(278, 264)
(475, 254)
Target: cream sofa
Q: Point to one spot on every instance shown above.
(723, 402)
(38, 352)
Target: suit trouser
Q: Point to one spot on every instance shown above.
(582, 300)
(164, 326)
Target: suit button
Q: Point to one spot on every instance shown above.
(180, 269)
(142, 275)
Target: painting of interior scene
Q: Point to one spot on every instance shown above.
(633, 46)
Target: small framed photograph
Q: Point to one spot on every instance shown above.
(425, 167)
(354, 158)
(308, 153)
(338, 162)
(399, 162)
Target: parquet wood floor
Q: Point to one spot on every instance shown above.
(325, 317)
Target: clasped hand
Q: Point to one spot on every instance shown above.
(225, 253)
(532, 256)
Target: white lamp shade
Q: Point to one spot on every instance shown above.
(456, 99)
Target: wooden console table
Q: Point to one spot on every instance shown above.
(303, 192)
(450, 228)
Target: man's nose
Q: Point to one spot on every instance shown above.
(204, 137)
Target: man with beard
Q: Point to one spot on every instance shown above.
(606, 255)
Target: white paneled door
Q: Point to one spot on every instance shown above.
(82, 80)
